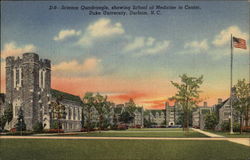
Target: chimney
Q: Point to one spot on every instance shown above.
(219, 100)
(205, 104)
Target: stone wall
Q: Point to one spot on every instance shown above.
(22, 87)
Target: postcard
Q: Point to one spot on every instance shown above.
(125, 80)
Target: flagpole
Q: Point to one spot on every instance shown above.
(231, 86)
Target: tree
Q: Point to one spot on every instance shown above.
(187, 96)
(58, 112)
(211, 121)
(130, 108)
(82, 121)
(20, 125)
(8, 113)
(88, 103)
(242, 101)
(103, 107)
(38, 127)
(7, 116)
(2, 122)
(126, 117)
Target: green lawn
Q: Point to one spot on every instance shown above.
(141, 134)
(155, 129)
(235, 135)
(13, 149)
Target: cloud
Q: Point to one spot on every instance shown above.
(63, 34)
(102, 28)
(225, 35)
(11, 49)
(90, 66)
(155, 103)
(146, 46)
(196, 46)
(126, 96)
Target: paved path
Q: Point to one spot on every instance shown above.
(208, 133)
(244, 141)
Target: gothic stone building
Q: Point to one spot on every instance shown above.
(28, 86)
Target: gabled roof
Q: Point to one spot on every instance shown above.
(65, 96)
(218, 106)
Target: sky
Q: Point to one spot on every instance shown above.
(132, 56)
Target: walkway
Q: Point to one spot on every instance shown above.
(244, 141)
(208, 133)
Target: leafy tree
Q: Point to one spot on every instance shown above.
(242, 101)
(82, 121)
(103, 107)
(211, 121)
(147, 123)
(115, 121)
(55, 124)
(8, 113)
(180, 118)
(88, 103)
(58, 112)
(2, 121)
(130, 108)
(20, 125)
(187, 95)
(7, 116)
(38, 127)
(147, 119)
(126, 117)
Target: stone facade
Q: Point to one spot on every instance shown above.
(73, 108)
(172, 114)
(138, 119)
(28, 87)
(157, 117)
(28, 81)
(198, 116)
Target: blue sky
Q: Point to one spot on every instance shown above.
(143, 50)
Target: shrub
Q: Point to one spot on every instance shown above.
(38, 127)
(24, 133)
(236, 127)
(211, 121)
(53, 131)
(122, 127)
(225, 126)
(13, 130)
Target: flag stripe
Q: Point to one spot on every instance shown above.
(239, 43)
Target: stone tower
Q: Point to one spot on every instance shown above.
(28, 85)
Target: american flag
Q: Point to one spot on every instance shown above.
(239, 43)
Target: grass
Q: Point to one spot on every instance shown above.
(31, 149)
(147, 132)
(155, 129)
(141, 134)
(235, 135)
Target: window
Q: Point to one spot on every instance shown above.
(42, 75)
(69, 114)
(17, 75)
(226, 114)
